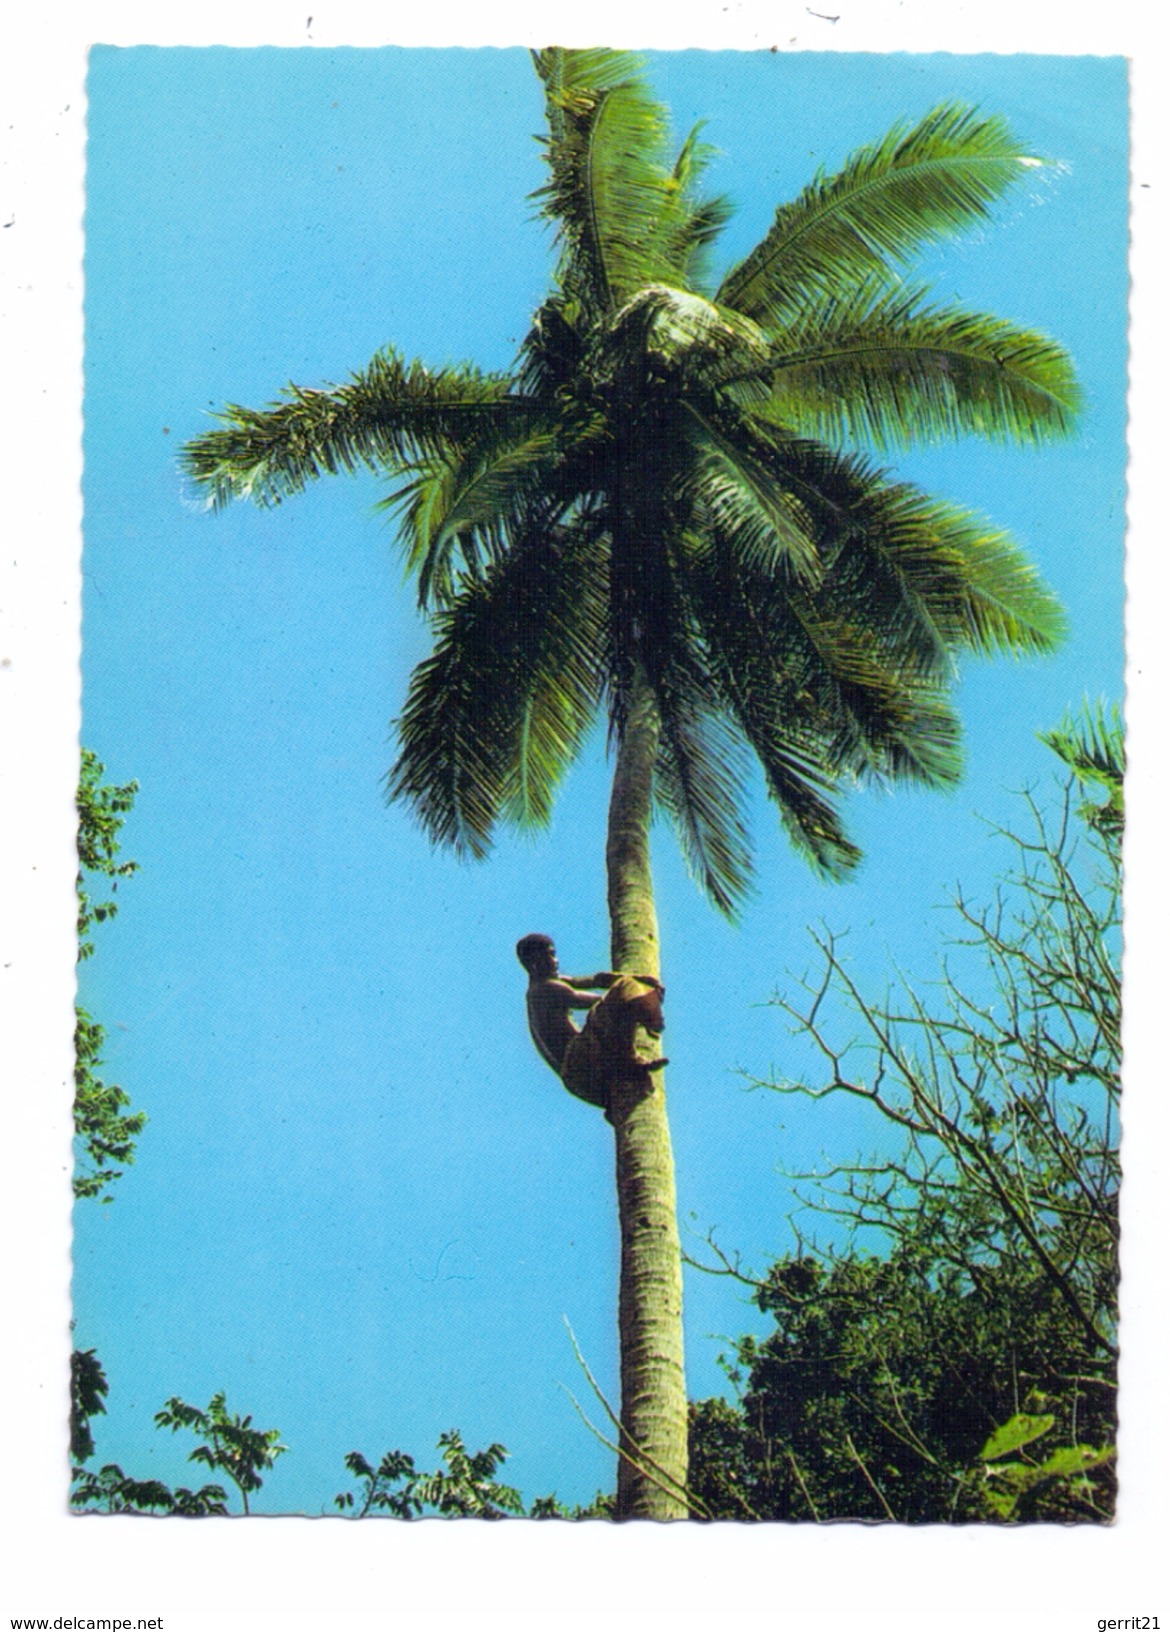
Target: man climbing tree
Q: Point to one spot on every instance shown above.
(586, 1060)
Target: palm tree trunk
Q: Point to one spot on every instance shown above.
(652, 1469)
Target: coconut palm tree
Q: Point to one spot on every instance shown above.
(654, 516)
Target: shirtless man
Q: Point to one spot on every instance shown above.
(585, 1059)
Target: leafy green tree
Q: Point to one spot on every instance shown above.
(231, 1444)
(102, 808)
(384, 1489)
(652, 516)
(105, 1130)
(464, 1487)
(971, 1373)
(103, 1126)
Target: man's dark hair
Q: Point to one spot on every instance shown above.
(529, 947)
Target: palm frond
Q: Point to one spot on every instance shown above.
(688, 225)
(930, 578)
(497, 712)
(469, 500)
(604, 151)
(700, 774)
(831, 656)
(740, 492)
(624, 215)
(954, 572)
(553, 349)
(883, 718)
(1091, 744)
(760, 689)
(828, 486)
(569, 73)
(917, 185)
(888, 370)
(391, 413)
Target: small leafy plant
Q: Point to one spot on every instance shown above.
(232, 1445)
(1009, 1478)
(465, 1487)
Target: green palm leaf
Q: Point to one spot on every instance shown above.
(470, 499)
(890, 370)
(497, 712)
(552, 354)
(740, 494)
(966, 580)
(572, 74)
(1092, 744)
(391, 413)
(606, 189)
(700, 774)
(884, 718)
(755, 678)
(919, 184)
(625, 216)
(938, 579)
(690, 225)
(838, 659)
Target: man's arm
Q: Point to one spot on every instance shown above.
(580, 998)
(562, 994)
(599, 982)
(604, 979)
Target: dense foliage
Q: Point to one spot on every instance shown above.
(464, 1487)
(882, 1390)
(228, 1442)
(88, 1387)
(112, 1491)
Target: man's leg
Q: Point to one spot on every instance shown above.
(643, 1007)
(583, 1070)
(613, 1023)
(607, 1041)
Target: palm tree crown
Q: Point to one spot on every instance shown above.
(659, 488)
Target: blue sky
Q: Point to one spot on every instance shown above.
(362, 1204)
